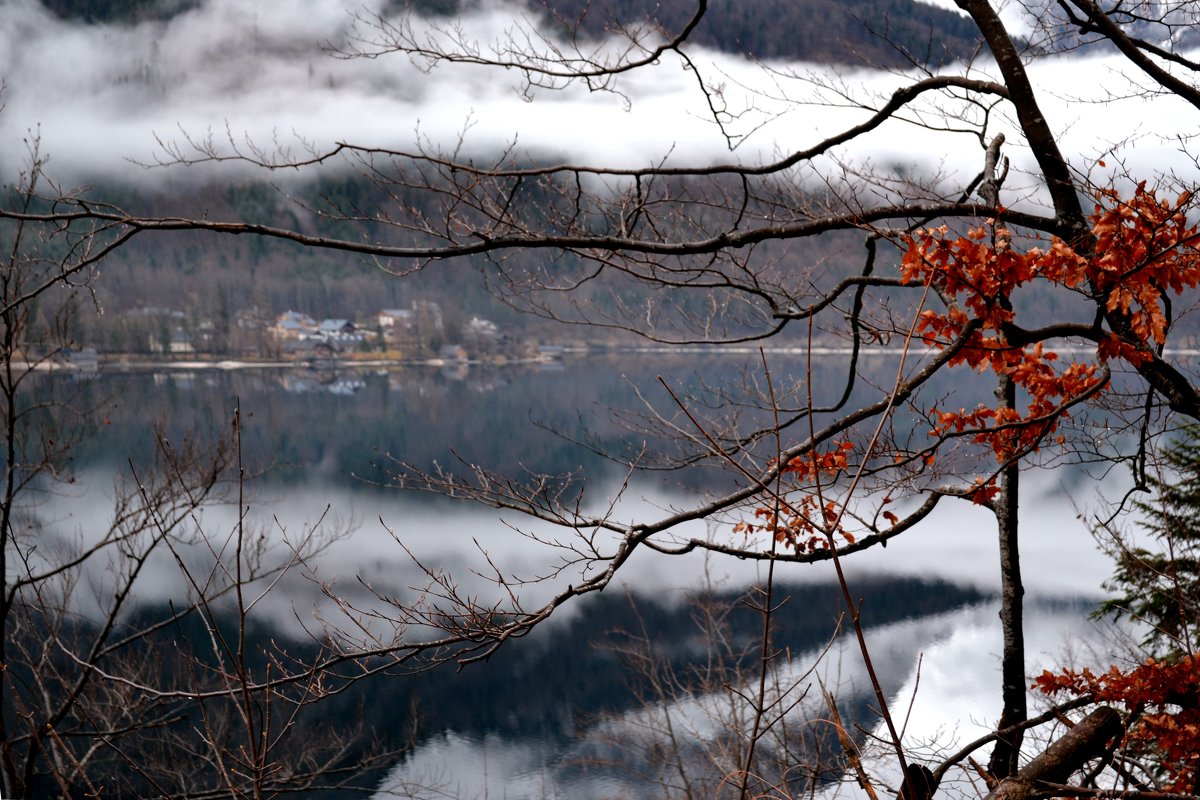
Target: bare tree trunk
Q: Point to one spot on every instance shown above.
(1004, 756)
(1068, 754)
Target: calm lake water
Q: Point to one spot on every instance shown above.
(323, 447)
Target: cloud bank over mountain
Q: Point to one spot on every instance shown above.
(103, 97)
(101, 94)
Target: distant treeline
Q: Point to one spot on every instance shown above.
(118, 10)
(882, 33)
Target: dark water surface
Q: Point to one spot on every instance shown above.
(323, 448)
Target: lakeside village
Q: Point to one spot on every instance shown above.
(415, 335)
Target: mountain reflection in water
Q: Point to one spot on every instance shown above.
(531, 722)
(943, 664)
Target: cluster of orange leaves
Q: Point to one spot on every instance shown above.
(806, 525)
(1163, 701)
(1144, 246)
(1144, 249)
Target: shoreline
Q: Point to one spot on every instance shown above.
(128, 362)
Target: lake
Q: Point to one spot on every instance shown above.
(323, 449)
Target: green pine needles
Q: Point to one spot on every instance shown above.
(1161, 587)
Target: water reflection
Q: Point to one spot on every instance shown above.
(510, 419)
(324, 441)
(332, 441)
(940, 672)
(378, 542)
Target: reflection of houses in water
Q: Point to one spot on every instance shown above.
(455, 370)
(83, 363)
(185, 381)
(345, 386)
(331, 382)
(450, 380)
(416, 383)
(489, 383)
(453, 358)
(453, 353)
(396, 383)
(297, 383)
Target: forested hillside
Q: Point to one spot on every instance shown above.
(222, 282)
(853, 32)
(197, 281)
(118, 11)
(880, 33)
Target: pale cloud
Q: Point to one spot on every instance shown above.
(99, 95)
(957, 544)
